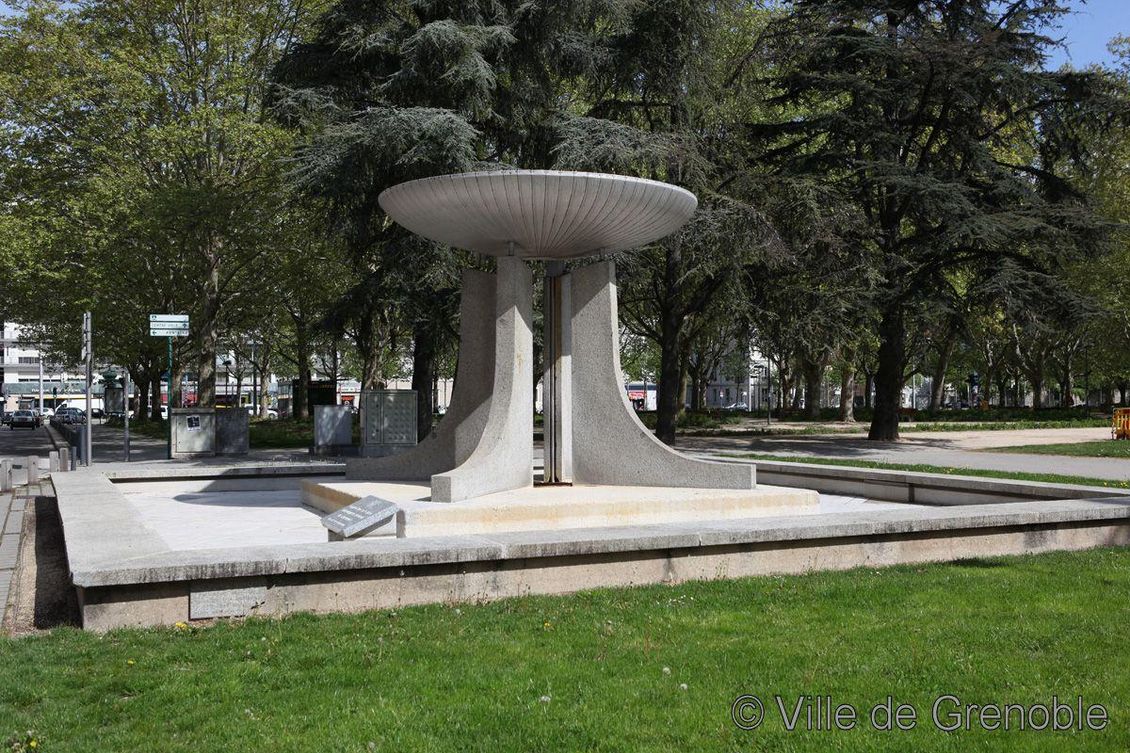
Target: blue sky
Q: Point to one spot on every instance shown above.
(1086, 31)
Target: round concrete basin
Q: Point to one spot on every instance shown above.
(539, 214)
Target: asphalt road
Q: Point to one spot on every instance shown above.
(19, 443)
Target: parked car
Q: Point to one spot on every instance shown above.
(69, 416)
(7, 418)
(271, 412)
(24, 419)
(46, 412)
(97, 413)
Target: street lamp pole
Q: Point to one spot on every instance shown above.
(88, 352)
(254, 383)
(768, 390)
(125, 411)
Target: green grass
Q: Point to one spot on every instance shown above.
(1107, 448)
(706, 429)
(473, 678)
(1082, 423)
(146, 428)
(284, 432)
(1052, 478)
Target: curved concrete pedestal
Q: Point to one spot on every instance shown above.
(610, 444)
(483, 444)
(504, 457)
(461, 429)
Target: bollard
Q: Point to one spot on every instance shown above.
(74, 459)
(64, 458)
(5, 475)
(53, 461)
(32, 470)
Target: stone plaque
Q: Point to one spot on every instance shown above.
(363, 515)
(225, 598)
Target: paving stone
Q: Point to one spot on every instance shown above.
(9, 549)
(15, 522)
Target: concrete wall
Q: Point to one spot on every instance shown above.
(106, 608)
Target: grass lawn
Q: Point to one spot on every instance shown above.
(1107, 448)
(655, 668)
(263, 434)
(704, 428)
(1053, 478)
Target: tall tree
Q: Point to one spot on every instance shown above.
(936, 118)
(138, 127)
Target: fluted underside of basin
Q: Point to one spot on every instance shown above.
(545, 214)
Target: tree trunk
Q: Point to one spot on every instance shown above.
(299, 407)
(264, 384)
(669, 400)
(209, 337)
(684, 383)
(868, 387)
(938, 378)
(1068, 385)
(142, 385)
(847, 393)
(176, 396)
(1122, 392)
(698, 390)
(813, 379)
(367, 350)
(889, 378)
(1037, 383)
(156, 407)
(423, 378)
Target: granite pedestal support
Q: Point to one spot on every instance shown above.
(483, 444)
(610, 444)
(592, 434)
(461, 429)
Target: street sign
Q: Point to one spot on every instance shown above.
(167, 332)
(168, 325)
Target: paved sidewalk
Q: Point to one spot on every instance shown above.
(12, 506)
(937, 449)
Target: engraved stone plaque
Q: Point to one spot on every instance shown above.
(363, 515)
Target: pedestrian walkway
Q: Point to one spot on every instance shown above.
(12, 507)
(933, 449)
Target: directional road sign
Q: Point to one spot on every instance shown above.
(168, 325)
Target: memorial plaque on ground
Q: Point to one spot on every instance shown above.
(363, 515)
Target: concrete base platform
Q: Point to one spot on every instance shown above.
(549, 508)
(133, 563)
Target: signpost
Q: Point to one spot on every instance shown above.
(88, 357)
(169, 326)
(125, 410)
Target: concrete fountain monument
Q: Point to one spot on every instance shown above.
(482, 450)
